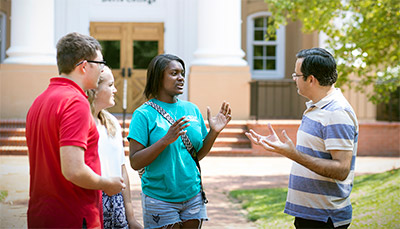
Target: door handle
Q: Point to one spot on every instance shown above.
(123, 72)
(129, 72)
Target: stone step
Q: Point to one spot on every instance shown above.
(226, 133)
(14, 123)
(219, 142)
(230, 151)
(13, 141)
(216, 151)
(13, 150)
(232, 123)
(233, 132)
(221, 151)
(236, 142)
(223, 141)
(12, 131)
(230, 141)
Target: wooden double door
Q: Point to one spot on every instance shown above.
(128, 48)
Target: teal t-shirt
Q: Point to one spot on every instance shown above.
(173, 175)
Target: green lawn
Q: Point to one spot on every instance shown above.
(375, 199)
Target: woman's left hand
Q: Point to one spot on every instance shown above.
(218, 122)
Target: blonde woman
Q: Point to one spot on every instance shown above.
(117, 209)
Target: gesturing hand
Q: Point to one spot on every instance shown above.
(272, 142)
(218, 122)
(176, 130)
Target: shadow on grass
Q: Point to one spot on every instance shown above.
(262, 203)
(375, 199)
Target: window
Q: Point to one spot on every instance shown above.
(143, 53)
(265, 55)
(3, 31)
(111, 53)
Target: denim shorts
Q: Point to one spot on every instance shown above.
(158, 213)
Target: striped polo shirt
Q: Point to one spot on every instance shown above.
(329, 124)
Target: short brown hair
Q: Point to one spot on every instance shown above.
(73, 48)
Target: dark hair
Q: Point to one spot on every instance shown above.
(319, 63)
(155, 73)
(73, 48)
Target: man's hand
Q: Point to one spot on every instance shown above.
(113, 185)
(272, 142)
(336, 168)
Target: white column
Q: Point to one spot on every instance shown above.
(219, 33)
(32, 33)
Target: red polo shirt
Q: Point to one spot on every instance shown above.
(61, 116)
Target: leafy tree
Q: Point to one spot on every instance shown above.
(363, 35)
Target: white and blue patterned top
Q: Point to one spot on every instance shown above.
(329, 124)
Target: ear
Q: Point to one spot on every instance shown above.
(82, 67)
(313, 80)
(310, 78)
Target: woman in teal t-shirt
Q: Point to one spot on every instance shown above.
(171, 188)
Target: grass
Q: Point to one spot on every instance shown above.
(3, 195)
(375, 199)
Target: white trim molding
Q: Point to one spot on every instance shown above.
(279, 43)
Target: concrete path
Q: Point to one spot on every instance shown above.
(220, 175)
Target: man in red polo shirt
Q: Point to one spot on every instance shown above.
(62, 138)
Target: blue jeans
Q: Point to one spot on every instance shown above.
(158, 213)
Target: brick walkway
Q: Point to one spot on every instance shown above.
(220, 174)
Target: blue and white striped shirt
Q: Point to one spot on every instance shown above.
(329, 124)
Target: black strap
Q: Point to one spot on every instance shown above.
(185, 139)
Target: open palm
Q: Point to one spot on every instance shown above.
(218, 122)
(271, 142)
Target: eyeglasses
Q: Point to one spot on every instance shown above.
(101, 63)
(294, 75)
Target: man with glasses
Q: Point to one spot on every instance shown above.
(322, 174)
(62, 138)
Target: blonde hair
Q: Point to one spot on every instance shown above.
(104, 116)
